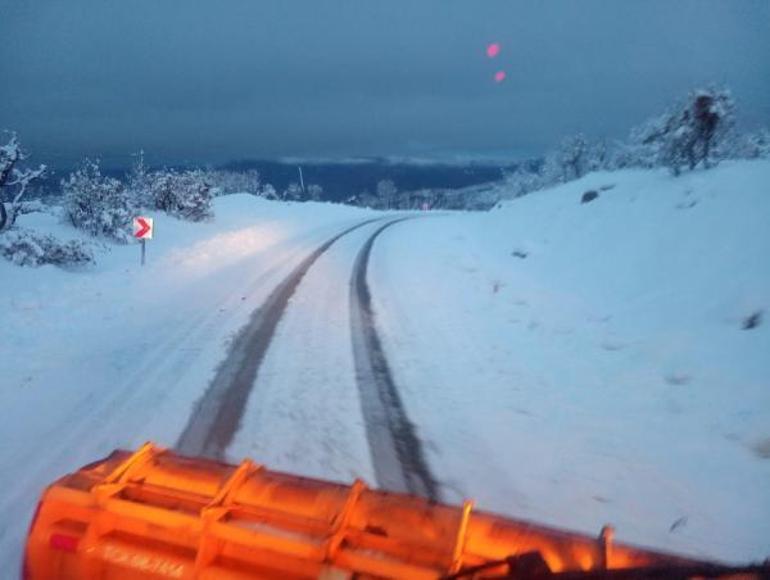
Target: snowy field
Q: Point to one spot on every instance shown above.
(576, 364)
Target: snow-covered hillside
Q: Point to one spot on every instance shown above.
(588, 363)
(572, 363)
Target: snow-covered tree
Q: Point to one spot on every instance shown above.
(697, 130)
(573, 157)
(14, 181)
(387, 191)
(185, 194)
(598, 156)
(98, 204)
(139, 182)
(687, 135)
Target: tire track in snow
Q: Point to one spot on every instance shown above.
(217, 415)
(397, 453)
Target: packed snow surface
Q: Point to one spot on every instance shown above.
(572, 363)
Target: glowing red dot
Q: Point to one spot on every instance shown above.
(493, 50)
(499, 76)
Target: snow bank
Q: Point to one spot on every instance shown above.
(584, 363)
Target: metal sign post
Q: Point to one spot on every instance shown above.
(143, 231)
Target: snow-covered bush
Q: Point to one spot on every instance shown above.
(185, 194)
(574, 157)
(366, 199)
(224, 182)
(30, 248)
(269, 192)
(32, 206)
(644, 148)
(522, 181)
(293, 192)
(314, 192)
(754, 145)
(98, 204)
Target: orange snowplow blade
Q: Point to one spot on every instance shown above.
(156, 514)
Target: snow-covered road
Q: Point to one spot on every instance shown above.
(112, 358)
(321, 403)
(567, 363)
(217, 416)
(304, 414)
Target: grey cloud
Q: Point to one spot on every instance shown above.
(210, 81)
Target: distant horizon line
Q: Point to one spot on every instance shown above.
(116, 162)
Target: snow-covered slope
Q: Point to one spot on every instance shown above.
(587, 363)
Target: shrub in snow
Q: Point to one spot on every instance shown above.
(30, 248)
(293, 193)
(314, 192)
(269, 192)
(366, 199)
(14, 181)
(521, 182)
(98, 204)
(32, 206)
(224, 182)
(744, 146)
(645, 144)
(758, 144)
(186, 194)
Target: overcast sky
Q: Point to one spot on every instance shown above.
(208, 81)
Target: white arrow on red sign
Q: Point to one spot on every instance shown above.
(143, 228)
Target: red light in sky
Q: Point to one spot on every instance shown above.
(499, 76)
(493, 50)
